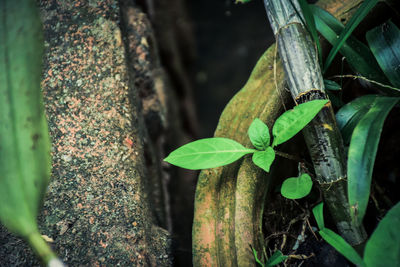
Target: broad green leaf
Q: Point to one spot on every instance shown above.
(276, 258)
(318, 212)
(341, 246)
(296, 187)
(24, 140)
(350, 114)
(293, 121)
(264, 159)
(259, 134)
(207, 153)
(384, 42)
(362, 151)
(332, 85)
(25, 162)
(358, 55)
(358, 16)
(383, 247)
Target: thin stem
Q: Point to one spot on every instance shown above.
(365, 79)
(43, 250)
(288, 156)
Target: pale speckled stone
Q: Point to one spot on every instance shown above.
(98, 208)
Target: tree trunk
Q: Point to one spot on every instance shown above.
(230, 200)
(111, 108)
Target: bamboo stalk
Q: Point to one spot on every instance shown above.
(323, 139)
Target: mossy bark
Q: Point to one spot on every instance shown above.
(229, 200)
(227, 215)
(107, 100)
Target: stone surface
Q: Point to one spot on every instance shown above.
(107, 104)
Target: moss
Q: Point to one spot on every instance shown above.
(228, 193)
(234, 194)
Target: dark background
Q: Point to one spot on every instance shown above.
(229, 40)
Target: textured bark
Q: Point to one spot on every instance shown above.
(176, 46)
(322, 136)
(229, 200)
(108, 103)
(228, 203)
(173, 30)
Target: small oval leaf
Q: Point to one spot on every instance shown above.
(264, 159)
(259, 134)
(383, 247)
(207, 153)
(296, 187)
(293, 121)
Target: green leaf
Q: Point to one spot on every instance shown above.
(259, 134)
(293, 121)
(334, 239)
(350, 114)
(276, 258)
(318, 212)
(310, 23)
(25, 161)
(384, 42)
(358, 55)
(362, 151)
(341, 246)
(332, 85)
(24, 140)
(383, 247)
(256, 257)
(207, 153)
(264, 159)
(296, 187)
(358, 16)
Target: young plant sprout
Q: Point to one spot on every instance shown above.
(215, 152)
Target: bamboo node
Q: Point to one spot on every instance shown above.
(311, 94)
(286, 26)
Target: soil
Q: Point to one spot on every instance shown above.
(289, 226)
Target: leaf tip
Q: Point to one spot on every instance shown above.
(168, 159)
